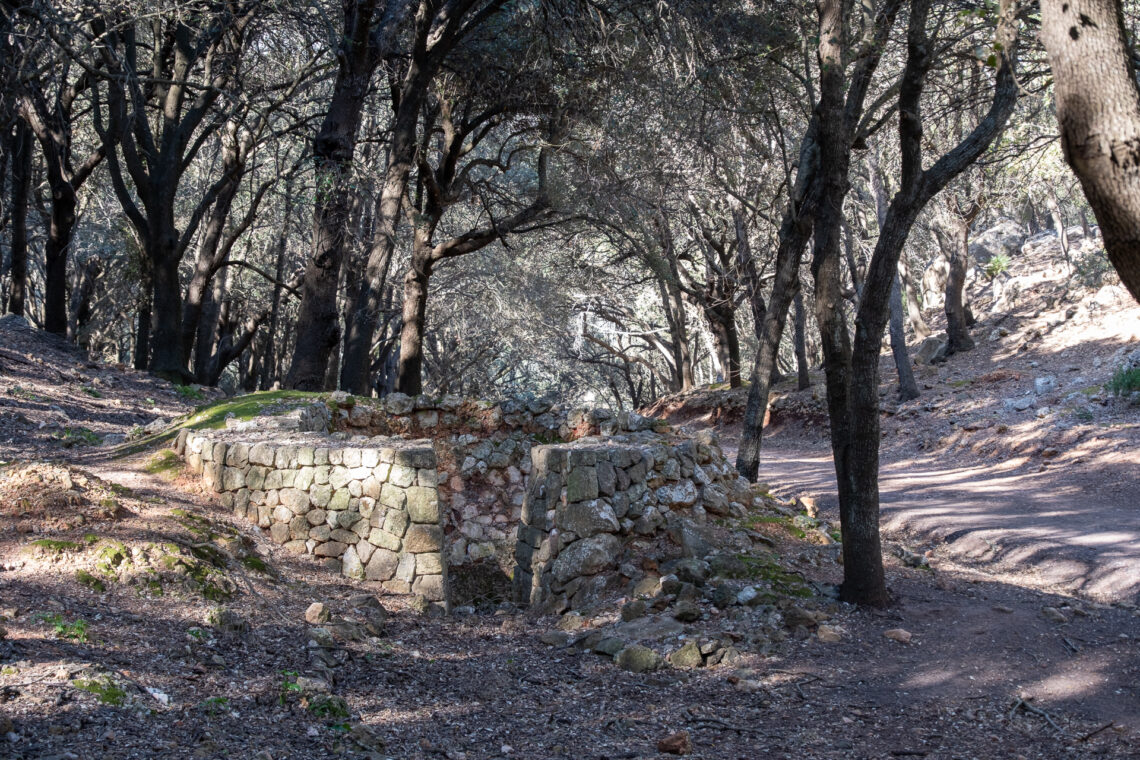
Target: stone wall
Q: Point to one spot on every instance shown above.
(587, 499)
(483, 453)
(369, 506)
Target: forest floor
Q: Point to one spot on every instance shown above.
(119, 640)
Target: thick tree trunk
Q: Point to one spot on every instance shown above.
(21, 143)
(60, 228)
(145, 307)
(409, 376)
(166, 358)
(318, 330)
(955, 244)
(1098, 107)
(318, 323)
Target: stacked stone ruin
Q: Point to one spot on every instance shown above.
(587, 499)
(369, 506)
(398, 489)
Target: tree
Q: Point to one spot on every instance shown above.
(1098, 109)
(852, 368)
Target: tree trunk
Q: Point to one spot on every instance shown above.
(82, 302)
(56, 249)
(142, 324)
(318, 330)
(1098, 108)
(409, 376)
(955, 243)
(913, 309)
(908, 388)
(21, 143)
(166, 358)
(802, 371)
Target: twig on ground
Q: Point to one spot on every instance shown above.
(1094, 732)
(1023, 703)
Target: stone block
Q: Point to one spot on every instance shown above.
(306, 456)
(393, 497)
(364, 551)
(351, 457)
(397, 587)
(582, 484)
(430, 587)
(320, 495)
(320, 533)
(299, 528)
(295, 547)
(382, 565)
(351, 565)
(321, 474)
(339, 477)
(382, 539)
(233, 478)
(316, 516)
(330, 549)
(320, 457)
(406, 571)
(422, 505)
(336, 456)
(238, 455)
(402, 476)
(369, 457)
(339, 499)
(272, 480)
(423, 538)
(303, 478)
(367, 506)
(370, 487)
(429, 564)
(396, 522)
(279, 532)
(381, 471)
(295, 499)
(587, 518)
(282, 514)
(344, 536)
(586, 556)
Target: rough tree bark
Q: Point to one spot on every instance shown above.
(1098, 108)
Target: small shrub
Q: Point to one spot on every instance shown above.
(996, 265)
(65, 630)
(92, 392)
(327, 706)
(1094, 269)
(1124, 381)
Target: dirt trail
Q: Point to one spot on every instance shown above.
(1058, 529)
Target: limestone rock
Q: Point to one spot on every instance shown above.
(588, 518)
(638, 659)
(317, 613)
(587, 556)
(688, 656)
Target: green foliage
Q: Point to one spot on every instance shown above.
(328, 706)
(289, 686)
(213, 416)
(190, 392)
(23, 393)
(1094, 269)
(996, 265)
(1124, 381)
(106, 690)
(92, 392)
(214, 705)
(78, 436)
(76, 630)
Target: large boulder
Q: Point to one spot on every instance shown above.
(1004, 238)
(586, 556)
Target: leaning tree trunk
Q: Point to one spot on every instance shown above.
(1098, 108)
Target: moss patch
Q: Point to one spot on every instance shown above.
(53, 546)
(90, 581)
(165, 462)
(113, 558)
(105, 690)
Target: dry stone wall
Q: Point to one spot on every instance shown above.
(586, 500)
(370, 506)
(483, 451)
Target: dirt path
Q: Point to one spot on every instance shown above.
(1055, 529)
